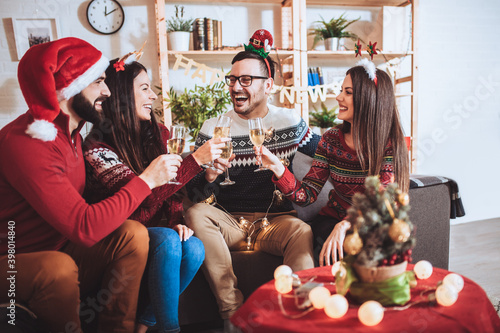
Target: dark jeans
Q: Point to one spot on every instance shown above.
(172, 264)
(321, 226)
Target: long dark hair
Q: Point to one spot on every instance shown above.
(376, 120)
(136, 142)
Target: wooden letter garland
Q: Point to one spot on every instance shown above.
(294, 95)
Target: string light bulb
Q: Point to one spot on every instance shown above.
(265, 223)
(336, 306)
(249, 243)
(282, 270)
(454, 280)
(423, 269)
(446, 295)
(318, 297)
(371, 313)
(283, 284)
(244, 222)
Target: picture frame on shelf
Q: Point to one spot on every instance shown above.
(33, 31)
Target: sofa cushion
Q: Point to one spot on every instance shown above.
(301, 165)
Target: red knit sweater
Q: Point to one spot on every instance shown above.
(106, 174)
(41, 187)
(333, 160)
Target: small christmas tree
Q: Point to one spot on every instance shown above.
(381, 231)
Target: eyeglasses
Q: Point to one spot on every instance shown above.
(244, 80)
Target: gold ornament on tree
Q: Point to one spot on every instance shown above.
(399, 231)
(353, 243)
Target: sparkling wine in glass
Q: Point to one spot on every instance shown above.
(257, 136)
(227, 151)
(175, 144)
(221, 130)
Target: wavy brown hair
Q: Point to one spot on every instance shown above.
(376, 120)
(136, 142)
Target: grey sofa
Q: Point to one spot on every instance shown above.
(430, 214)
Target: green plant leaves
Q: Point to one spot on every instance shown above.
(325, 118)
(195, 106)
(333, 28)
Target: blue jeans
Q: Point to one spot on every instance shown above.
(171, 266)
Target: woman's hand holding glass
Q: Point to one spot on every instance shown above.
(175, 144)
(269, 161)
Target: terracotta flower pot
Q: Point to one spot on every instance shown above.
(377, 274)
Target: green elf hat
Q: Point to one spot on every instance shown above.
(261, 43)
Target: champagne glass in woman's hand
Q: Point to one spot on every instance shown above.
(257, 136)
(176, 144)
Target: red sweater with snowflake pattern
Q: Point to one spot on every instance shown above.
(106, 174)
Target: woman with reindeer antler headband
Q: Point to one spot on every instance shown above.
(369, 142)
(120, 146)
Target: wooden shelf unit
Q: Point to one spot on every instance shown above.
(297, 54)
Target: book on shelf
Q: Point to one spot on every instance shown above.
(315, 76)
(209, 34)
(199, 34)
(219, 35)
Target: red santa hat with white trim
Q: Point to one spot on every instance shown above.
(51, 72)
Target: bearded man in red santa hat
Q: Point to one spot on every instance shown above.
(55, 249)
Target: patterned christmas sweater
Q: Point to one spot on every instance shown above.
(106, 174)
(253, 191)
(333, 159)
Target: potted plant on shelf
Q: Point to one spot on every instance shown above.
(324, 118)
(332, 31)
(195, 106)
(179, 30)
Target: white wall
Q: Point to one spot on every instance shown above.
(459, 98)
(458, 90)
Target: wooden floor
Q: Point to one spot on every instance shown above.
(475, 253)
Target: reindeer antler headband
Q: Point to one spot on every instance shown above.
(126, 59)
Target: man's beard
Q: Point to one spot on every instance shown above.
(85, 110)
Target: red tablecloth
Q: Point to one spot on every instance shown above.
(473, 312)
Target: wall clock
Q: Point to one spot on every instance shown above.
(105, 16)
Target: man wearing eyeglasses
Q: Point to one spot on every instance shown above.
(253, 196)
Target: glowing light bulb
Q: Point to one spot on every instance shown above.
(243, 221)
(282, 270)
(446, 295)
(454, 280)
(318, 297)
(336, 306)
(265, 223)
(371, 313)
(423, 269)
(335, 268)
(283, 284)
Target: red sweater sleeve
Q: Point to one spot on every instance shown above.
(111, 174)
(50, 177)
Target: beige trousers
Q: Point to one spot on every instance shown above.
(221, 233)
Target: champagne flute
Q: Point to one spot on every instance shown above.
(221, 130)
(257, 136)
(176, 144)
(227, 151)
